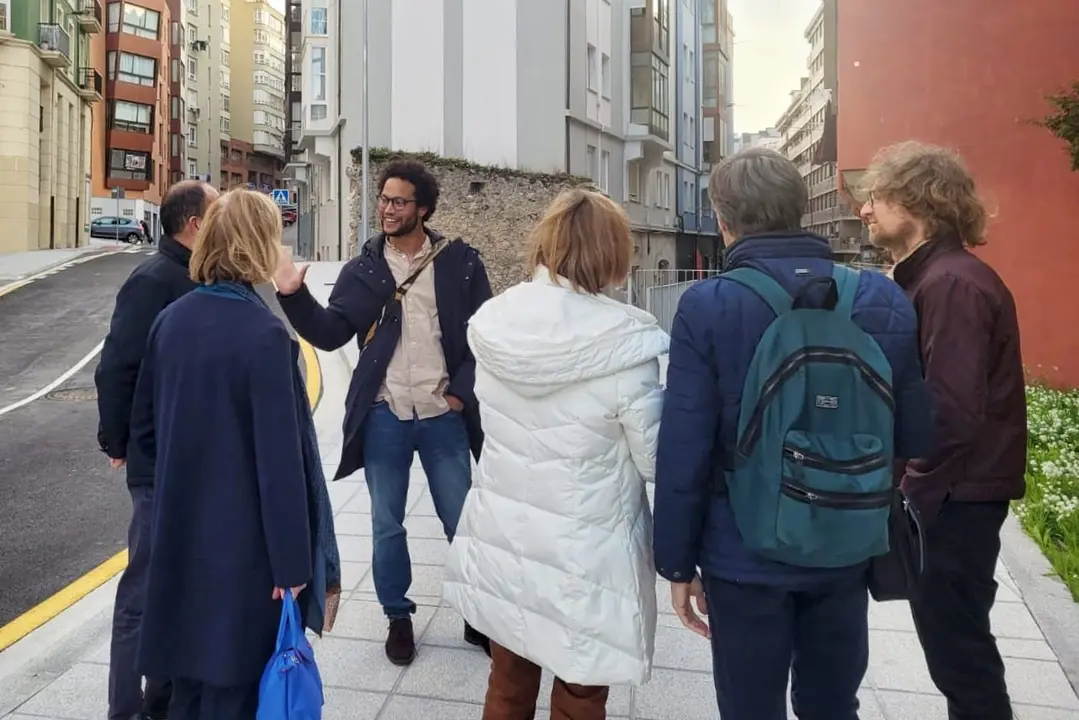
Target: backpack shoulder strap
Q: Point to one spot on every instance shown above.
(846, 281)
(763, 285)
(404, 287)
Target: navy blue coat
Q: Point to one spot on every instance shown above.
(366, 286)
(151, 287)
(715, 332)
(215, 405)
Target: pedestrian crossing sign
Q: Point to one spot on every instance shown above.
(281, 196)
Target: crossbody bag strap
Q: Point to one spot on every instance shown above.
(404, 287)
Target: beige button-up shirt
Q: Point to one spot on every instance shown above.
(416, 378)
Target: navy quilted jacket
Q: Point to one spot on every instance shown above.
(714, 335)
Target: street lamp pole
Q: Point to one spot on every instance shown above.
(365, 227)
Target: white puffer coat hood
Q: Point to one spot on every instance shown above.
(552, 556)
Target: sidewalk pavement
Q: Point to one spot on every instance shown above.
(62, 669)
(20, 265)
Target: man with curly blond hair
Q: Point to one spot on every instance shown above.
(923, 208)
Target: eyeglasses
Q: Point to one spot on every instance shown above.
(398, 203)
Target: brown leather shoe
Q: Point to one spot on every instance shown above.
(400, 643)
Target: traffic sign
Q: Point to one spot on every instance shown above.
(281, 196)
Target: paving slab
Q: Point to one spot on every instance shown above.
(449, 677)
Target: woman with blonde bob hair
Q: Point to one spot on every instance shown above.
(239, 516)
(552, 558)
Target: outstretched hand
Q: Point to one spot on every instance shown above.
(288, 278)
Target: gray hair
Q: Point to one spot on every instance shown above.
(758, 191)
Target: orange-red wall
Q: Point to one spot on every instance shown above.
(970, 74)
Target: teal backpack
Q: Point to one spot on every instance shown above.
(812, 479)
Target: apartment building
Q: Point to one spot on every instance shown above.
(717, 88)
(254, 150)
(698, 245)
(177, 91)
(535, 86)
(205, 71)
(769, 138)
(808, 127)
(49, 85)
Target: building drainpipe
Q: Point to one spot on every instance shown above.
(343, 193)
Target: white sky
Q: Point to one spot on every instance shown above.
(770, 53)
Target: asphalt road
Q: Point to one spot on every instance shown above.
(63, 511)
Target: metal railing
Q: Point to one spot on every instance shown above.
(659, 290)
(90, 79)
(53, 38)
(92, 8)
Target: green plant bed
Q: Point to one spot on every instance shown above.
(1050, 511)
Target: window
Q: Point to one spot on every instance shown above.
(633, 181)
(593, 79)
(192, 98)
(261, 118)
(133, 117)
(135, 69)
(604, 171)
(114, 17)
(175, 71)
(193, 136)
(226, 12)
(192, 170)
(225, 124)
(193, 32)
(262, 17)
(260, 57)
(140, 21)
(226, 80)
(226, 57)
(193, 7)
(605, 75)
(130, 164)
(262, 97)
(192, 69)
(318, 112)
(264, 138)
(710, 79)
(174, 108)
(261, 36)
(175, 141)
(318, 74)
(177, 34)
(593, 164)
(318, 21)
(225, 99)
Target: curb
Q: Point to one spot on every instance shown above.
(88, 254)
(1048, 599)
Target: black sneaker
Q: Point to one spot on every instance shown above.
(400, 643)
(475, 637)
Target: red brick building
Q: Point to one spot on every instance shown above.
(971, 77)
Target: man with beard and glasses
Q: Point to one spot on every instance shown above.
(923, 208)
(407, 298)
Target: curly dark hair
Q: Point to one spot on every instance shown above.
(416, 173)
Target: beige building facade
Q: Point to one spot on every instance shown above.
(47, 91)
(258, 72)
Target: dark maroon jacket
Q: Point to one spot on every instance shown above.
(969, 337)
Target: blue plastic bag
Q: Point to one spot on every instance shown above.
(291, 687)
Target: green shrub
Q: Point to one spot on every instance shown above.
(1050, 510)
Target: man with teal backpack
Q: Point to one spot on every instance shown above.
(793, 385)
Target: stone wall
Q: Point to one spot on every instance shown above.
(493, 209)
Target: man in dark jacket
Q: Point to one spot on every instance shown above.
(151, 287)
(924, 210)
(768, 621)
(412, 388)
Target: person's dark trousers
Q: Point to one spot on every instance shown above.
(951, 607)
(126, 697)
(192, 700)
(389, 446)
(818, 636)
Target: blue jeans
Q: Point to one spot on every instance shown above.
(816, 635)
(389, 445)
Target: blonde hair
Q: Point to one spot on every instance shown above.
(934, 185)
(239, 240)
(584, 237)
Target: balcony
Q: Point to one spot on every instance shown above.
(91, 85)
(89, 16)
(55, 45)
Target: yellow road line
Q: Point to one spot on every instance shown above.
(15, 286)
(37, 616)
(314, 373)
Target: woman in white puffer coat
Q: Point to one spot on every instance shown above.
(552, 558)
